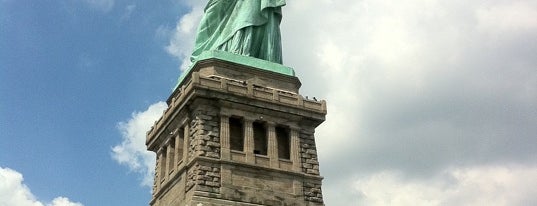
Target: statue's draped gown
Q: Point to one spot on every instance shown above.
(245, 27)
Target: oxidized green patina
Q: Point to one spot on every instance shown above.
(240, 59)
(245, 32)
(244, 27)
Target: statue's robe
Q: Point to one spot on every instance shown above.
(245, 27)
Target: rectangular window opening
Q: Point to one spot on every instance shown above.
(236, 133)
(260, 138)
(284, 142)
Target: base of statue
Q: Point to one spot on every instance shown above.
(243, 70)
(237, 133)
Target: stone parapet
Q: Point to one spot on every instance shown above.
(235, 87)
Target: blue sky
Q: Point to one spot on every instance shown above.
(430, 102)
(69, 72)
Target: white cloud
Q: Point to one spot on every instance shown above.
(508, 16)
(475, 186)
(416, 86)
(63, 201)
(132, 151)
(183, 37)
(14, 193)
(421, 87)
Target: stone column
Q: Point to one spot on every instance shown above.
(295, 150)
(224, 137)
(249, 141)
(186, 145)
(162, 166)
(177, 149)
(170, 162)
(157, 172)
(186, 142)
(272, 145)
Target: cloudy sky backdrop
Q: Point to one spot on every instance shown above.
(430, 102)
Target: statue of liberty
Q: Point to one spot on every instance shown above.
(244, 27)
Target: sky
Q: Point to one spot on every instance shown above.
(430, 102)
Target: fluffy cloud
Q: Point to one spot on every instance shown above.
(417, 86)
(183, 36)
(63, 201)
(420, 93)
(476, 186)
(419, 72)
(132, 151)
(14, 193)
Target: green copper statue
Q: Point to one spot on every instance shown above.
(245, 27)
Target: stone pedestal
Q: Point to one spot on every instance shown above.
(214, 99)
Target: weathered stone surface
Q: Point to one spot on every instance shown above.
(205, 175)
(312, 192)
(310, 163)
